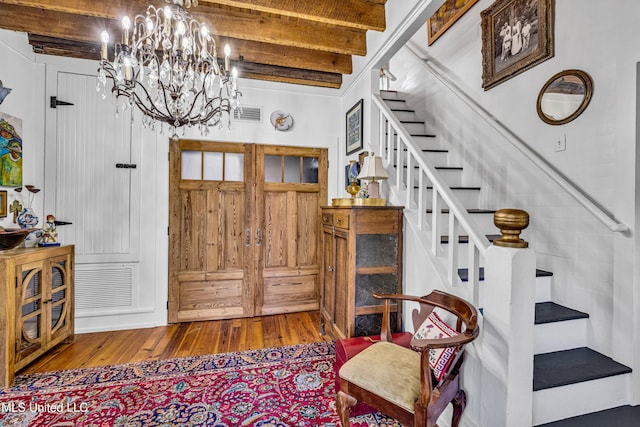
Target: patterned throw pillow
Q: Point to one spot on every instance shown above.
(439, 358)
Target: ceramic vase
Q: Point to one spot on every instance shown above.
(27, 218)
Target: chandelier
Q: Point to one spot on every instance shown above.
(167, 66)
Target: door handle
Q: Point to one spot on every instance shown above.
(247, 236)
(258, 237)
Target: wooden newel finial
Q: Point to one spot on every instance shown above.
(511, 222)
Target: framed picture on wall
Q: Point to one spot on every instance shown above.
(516, 35)
(445, 17)
(354, 128)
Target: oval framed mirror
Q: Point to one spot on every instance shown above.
(564, 97)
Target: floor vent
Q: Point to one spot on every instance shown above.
(248, 114)
(104, 288)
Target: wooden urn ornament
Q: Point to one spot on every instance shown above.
(511, 222)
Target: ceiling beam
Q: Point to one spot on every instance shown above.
(286, 56)
(224, 21)
(289, 75)
(249, 70)
(348, 13)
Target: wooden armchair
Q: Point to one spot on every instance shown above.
(400, 382)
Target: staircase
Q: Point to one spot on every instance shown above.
(570, 379)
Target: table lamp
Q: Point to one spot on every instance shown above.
(372, 170)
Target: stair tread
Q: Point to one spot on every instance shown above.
(624, 416)
(453, 188)
(565, 367)
(453, 168)
(550, 312)
(465, 238)
(403, 110)
(463, 273)
(471, 211)
(426, 135)
(426, 150)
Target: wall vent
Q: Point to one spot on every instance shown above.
(247, 113)
(103, 288)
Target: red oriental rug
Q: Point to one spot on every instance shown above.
(276, 387)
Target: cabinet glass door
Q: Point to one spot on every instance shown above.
(30, 308)
(59, 292)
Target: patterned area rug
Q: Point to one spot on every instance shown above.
(277, 387)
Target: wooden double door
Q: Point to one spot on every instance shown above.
(244, 229)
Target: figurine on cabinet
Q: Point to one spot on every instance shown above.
(49, 233)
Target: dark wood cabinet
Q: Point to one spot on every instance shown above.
(362, 254)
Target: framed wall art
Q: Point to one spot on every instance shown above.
(516, 35)
(445, 17)
(10, 151)
(354, 128)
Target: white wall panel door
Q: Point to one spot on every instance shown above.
(84, 186)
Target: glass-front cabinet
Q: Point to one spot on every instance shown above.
(39, 281)
(362, 255)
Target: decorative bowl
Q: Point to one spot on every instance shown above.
(12, 237)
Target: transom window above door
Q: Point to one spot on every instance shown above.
(212, 166)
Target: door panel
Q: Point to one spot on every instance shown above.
(290, 188)
(90, 140)
(210, 275)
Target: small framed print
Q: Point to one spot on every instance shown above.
(354, 128)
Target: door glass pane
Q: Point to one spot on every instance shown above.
(273, 168)
(310, 170)
(234, 167)
(212, 166)
(33, 286)
(57, 307)
(291, 169)
(191, 165)
(57, 278)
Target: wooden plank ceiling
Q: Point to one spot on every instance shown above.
(292, 41)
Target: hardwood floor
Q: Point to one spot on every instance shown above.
(181, 340)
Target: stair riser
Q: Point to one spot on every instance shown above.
(543, 289)
(558, 336)
(389, 94)
(436, 158)
(396, 104)
(576, 399)
(451, 177)
(405, 115)
(415, 128)
(426, 142)
(468, 198)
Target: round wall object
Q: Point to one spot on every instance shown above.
(281, 120)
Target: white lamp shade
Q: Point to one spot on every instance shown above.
(372, 168)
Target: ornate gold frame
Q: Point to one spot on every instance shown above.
(440, 17)
(491, 76)
(588, 84)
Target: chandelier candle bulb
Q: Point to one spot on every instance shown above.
(227, 53)
(105, 41)
(167, 20)
(126, 25)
